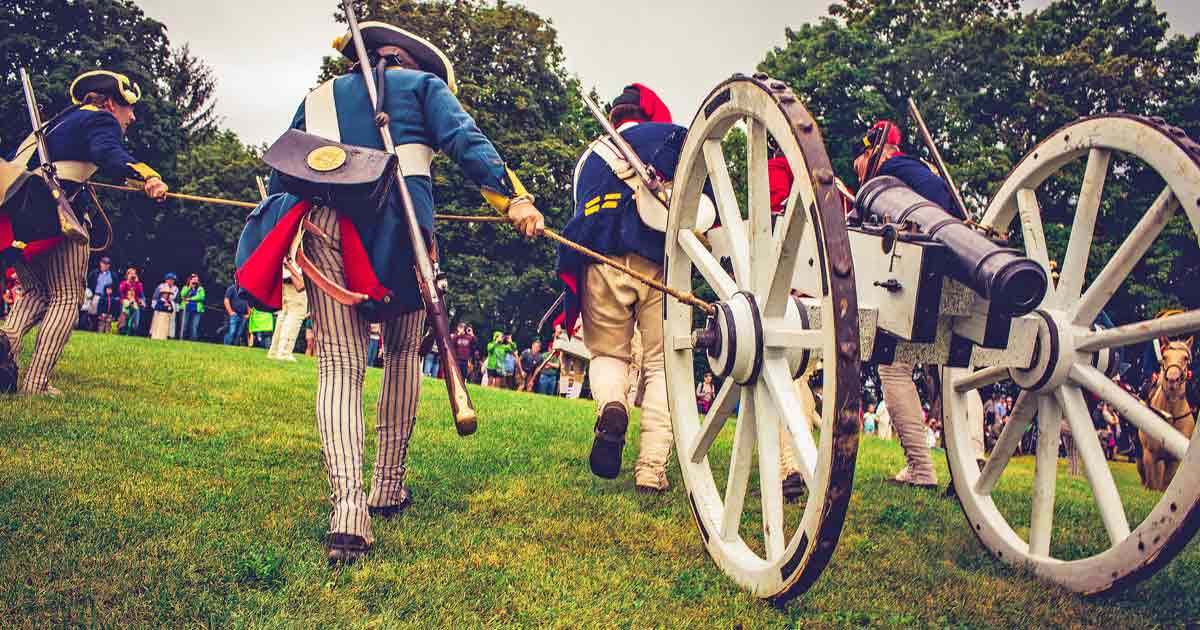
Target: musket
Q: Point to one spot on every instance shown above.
(460, 401)
(937, 157)
(262, 187)
(68, 221)
(650, 177)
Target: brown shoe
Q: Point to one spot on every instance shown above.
(793, 487)
(388, 512)
(649, 490)
(344, 549)
(605, 458)
(910, 484)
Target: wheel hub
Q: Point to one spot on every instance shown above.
(1054, 353)
(733, 340)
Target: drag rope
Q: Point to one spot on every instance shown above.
(682, 296)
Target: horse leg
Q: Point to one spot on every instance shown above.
(1143, 467)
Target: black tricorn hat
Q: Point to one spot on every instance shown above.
(114, 84)
(376, 34)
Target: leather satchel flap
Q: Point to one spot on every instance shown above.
(311, 158)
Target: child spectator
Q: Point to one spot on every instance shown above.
(164, 313)
(107, 310)
(127, 325)
(705, 393)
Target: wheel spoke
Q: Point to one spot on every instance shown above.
(1101, 289)
(790, 334)
(728, 210)
(1035, 238)
(1070, 280)
(707, 264)
(1041, 519)
(1139, 332)
(766, 420)
(758, 211)
(718, 414)
(1130, 408)
(980, 378)
(1007, 443)
(739, 467)
(778, 379)
(1095, 466)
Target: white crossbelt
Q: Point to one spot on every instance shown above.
(320, 118)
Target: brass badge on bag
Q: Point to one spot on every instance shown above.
(326, 158)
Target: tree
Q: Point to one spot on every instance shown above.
(993, 81)
(512, 80)
(175, 132)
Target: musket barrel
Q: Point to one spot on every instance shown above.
(1014, 283)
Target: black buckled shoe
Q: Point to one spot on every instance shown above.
(793, 487)
(605, 458)
(387, 512)
(8, 367)
(344, 549)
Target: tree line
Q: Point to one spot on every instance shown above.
(992, 79)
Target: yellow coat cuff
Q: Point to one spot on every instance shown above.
(143, 171)
(501, 201)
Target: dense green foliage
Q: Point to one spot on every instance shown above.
(185, 488)
(993, 81)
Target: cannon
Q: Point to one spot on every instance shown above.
(805, 294)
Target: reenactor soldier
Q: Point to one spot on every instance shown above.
(611, 303)
(86, 138)
(881, 155)
(371, 254)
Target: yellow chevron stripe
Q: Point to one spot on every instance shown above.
(610, 204)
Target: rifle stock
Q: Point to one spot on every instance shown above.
(465, 420)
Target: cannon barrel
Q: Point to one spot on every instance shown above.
(1013, 283)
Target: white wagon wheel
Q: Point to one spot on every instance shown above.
(759, 340)
(1072, 356)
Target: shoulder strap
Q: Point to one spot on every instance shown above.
(320, 112)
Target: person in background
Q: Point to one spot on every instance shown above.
(512, 369)
(705, 393)
(129, 311)
(463, 344)
(547, 381)
(108, 309)
(496, 349)
(310, 337)
(261, 325)
(12, 288)
(237, 310)
(192, 297)
(870, 420)
(133, 317)
(164, 312)
(374, 338)
(290, 317)
(170, 285)
(100, 277)
(530, 361)
(430, 366)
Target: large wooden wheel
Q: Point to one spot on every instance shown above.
(1023, 527)
(759, 340)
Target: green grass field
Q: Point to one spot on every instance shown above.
(180, 484)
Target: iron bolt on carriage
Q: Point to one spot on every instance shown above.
(876, 291)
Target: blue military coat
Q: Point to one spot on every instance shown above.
(423, 111)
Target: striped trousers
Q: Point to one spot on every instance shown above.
(342, 338)
(53, 284)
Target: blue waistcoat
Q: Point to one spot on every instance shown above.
(606, 216)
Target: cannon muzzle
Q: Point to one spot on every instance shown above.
(1013, 283)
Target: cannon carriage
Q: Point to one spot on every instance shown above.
(900, 282)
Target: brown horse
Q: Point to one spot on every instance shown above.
(1169, 399)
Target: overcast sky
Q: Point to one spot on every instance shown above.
(266, 53)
